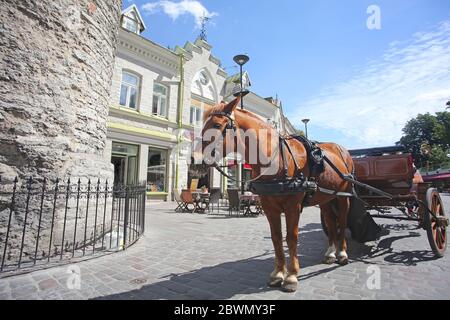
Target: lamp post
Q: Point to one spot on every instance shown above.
(241, 59)
(305, 121)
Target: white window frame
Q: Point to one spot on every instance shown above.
(126, 20)
(194, 121)
(130, 85)
(159, 96)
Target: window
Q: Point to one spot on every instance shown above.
(130, 22)
(195, 116)
(156, 170)
(129, 90)
(203, 78)
(159, 105)
(202, 85)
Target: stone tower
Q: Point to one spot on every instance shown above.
(56, 64)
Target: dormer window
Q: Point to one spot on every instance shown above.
(132, 20)
(130, 23)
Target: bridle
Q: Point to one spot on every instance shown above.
(230, 123)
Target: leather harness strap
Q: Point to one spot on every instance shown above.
(283, 157)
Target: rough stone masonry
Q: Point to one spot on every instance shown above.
(56, 65)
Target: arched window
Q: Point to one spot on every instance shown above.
(129, 90)
(203, 86)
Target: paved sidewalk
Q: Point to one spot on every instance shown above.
(193, 256)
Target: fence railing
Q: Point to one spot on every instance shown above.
(43, 221)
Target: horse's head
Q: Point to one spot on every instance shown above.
(230, 130)
(217, 122)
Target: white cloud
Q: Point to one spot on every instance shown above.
(372, 106)
(176, 9)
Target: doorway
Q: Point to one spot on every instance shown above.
(125, 160)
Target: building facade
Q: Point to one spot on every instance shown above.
(157, 99)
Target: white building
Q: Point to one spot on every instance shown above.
(157, 98)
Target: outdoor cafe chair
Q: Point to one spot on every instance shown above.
(181, 206)
(186, 197)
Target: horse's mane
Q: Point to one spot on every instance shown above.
(219, 107)
(257, 118)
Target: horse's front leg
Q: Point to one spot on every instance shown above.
(292, 218)
(274, 218)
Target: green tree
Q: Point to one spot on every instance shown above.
(438, 155)
(443, 129)
(433, 130)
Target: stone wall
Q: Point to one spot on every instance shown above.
(56, 67)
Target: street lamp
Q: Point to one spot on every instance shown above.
(305, 121)
(241, 59)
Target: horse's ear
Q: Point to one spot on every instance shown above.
(207, 111)
(229, 108)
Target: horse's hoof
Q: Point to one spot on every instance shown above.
(289, 286)
(276, 278)
(343, 261)
(329, 260)
(275, 283)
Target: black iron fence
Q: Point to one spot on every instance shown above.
(43, 222)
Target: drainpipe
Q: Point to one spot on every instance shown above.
(180, 114)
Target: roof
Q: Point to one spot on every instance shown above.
(235, 78)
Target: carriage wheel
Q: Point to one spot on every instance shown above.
(436, 228)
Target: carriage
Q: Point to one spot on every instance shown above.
(387, 179)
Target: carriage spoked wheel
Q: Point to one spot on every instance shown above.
(436, 225)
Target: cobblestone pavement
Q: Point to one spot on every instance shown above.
(193, 256)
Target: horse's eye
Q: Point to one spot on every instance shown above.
(217, 126)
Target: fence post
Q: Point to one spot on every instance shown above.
(125, 218)
(28, 187)
(144, 198)
(11, 209)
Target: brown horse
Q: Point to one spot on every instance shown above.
(333, 208)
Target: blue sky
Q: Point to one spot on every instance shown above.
(358, 86)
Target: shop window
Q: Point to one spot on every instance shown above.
(156, 170)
